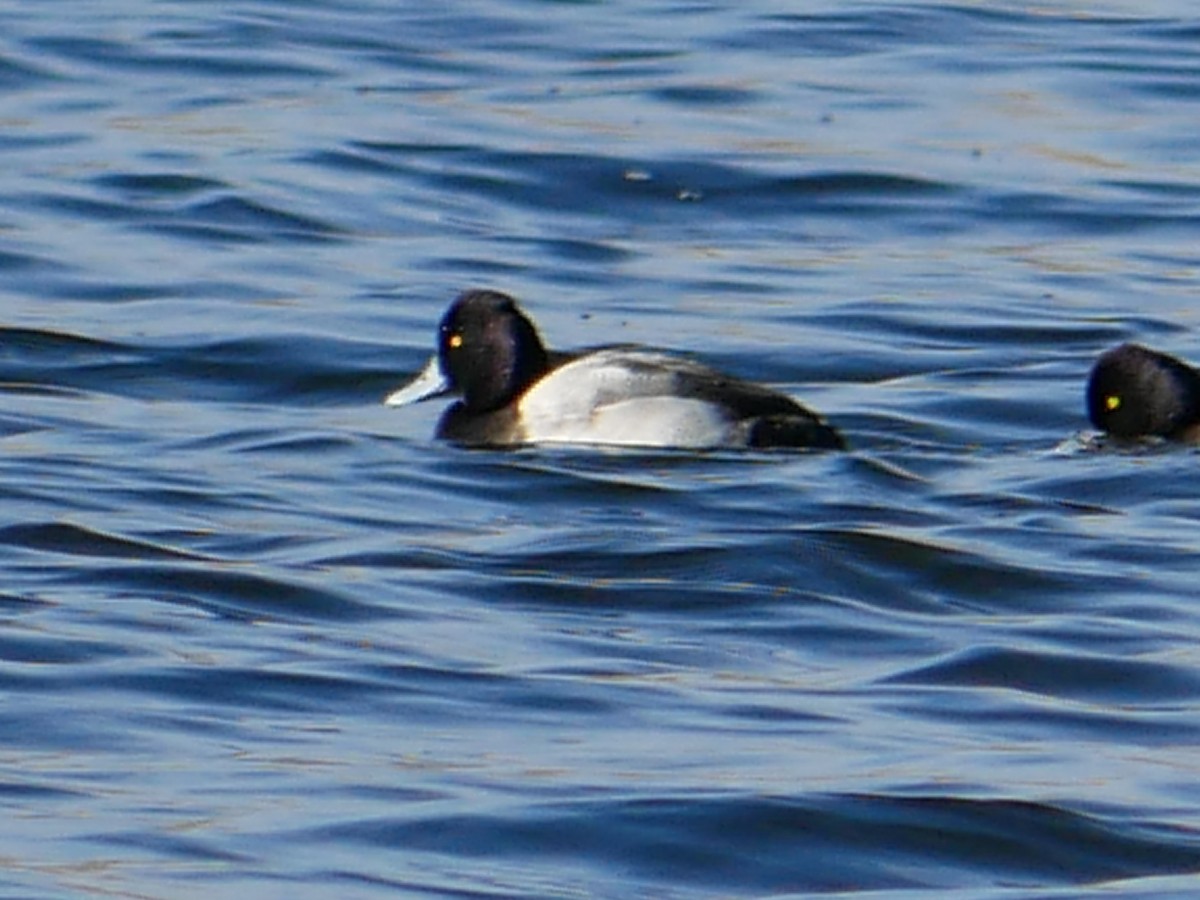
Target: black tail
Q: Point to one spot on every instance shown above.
(794, 431)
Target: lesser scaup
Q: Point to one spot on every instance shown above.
(1134, 391)
(513, 391)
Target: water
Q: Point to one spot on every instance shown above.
(263, 637)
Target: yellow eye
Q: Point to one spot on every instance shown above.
(455, 341)
(1112, 402)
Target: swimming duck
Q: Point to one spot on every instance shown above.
(513, 391)
(1134, 391)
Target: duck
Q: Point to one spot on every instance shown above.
(512, 391)
(1135, 392)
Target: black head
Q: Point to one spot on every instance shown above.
(1135, 392)
(488, 350)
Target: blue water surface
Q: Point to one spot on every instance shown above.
(264, 637)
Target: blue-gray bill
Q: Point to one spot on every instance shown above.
(430, 382)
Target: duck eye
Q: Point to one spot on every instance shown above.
(455, 341)
(1112, 402)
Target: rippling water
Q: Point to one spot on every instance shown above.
(264, 637)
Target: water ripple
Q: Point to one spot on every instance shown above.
(769, 844)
